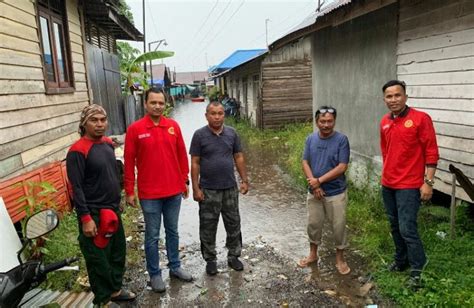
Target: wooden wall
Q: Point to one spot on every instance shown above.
(287, 85)
(35, 128)
(435, 57)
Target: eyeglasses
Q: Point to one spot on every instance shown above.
(326, 110)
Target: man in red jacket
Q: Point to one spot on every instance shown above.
(410, 155)
(154, 145)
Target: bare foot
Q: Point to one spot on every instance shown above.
(343, 268)
(305, 262)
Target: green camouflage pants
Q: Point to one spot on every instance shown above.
(217, 202)
(105, 267)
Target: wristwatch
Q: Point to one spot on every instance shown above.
(430, 182)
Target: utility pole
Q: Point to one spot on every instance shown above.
(266, 31)
(144, 33)
(156, 48)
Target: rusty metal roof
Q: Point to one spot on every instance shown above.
(40, 297)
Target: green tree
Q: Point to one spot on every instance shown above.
(124, 9)
(131, 68)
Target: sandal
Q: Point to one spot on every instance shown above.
(305, 262)
(124, 296)
(343, 269)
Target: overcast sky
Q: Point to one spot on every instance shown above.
(203, 33)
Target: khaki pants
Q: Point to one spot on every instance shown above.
(334, 209)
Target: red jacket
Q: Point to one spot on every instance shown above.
(159, 153)
(408, 144)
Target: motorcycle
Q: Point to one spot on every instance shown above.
(15, 283)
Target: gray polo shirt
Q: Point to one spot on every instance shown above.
(216, 154)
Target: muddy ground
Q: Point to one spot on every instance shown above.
(273, 216)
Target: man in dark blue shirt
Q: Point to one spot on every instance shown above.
(325, 160)
(214, 150)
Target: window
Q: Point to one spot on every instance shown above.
(55, 46)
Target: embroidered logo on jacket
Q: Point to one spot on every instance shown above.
(408, 123)
(146, 135)
(171, 130)
(385, 126)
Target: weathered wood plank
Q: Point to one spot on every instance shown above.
(436, 91)
(21, 145)
(21, 86)
(13, 13)
(26, 101)
(431, 13)
(77, 48)
(460, 144)
(32, 155)
(16, 29)
(12, 133)
(79, 67)
(451, 116)
(76, 29)
(458, 51)
(16, 118)
(453, 130)
(78, 57)
(75, 38)
(14, 43)
(8, 56)
(466, 169)
(81, 86)
(27, 6)
(443, 184)
(20, 72)
(447, 65)
(59, 155)
(436, 41)
(9, 165)
(456, 156)
(445, 104)
(444, 78)
(79, 76)
(440, 27)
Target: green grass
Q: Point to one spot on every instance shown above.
(449, 277)
(62, 243)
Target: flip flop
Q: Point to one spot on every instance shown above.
(305, 263)
(343, 270)
(124, 296)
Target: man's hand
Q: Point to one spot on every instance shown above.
(198, 195)
(130, 200)
(186, 193)
(319, 193)
(313, 183)
(426, 192)
(244, 188)
(89, 228)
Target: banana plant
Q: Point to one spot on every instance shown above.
(130, 64)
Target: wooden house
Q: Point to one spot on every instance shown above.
(359, 45)
(46, 50)
(274, 88)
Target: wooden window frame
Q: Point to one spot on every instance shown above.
(58, 86)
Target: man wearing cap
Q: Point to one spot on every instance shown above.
(154, 145)
(325, 160)
(410, 155)
(93, 174)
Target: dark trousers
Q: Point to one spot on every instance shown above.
(105, 267)
(402, 207)
(217, 202)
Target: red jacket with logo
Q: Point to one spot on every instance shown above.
(408, 144)
(159, 153)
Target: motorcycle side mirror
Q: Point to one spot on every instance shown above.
(41, 223)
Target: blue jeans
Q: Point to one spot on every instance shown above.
(152, 211)
(402, 207)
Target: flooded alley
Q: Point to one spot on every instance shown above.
(274, 237)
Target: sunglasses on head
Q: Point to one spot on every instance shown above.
(326, 110)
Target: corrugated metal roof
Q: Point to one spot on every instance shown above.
(236, 58)
(311, 19)
(40, 297)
